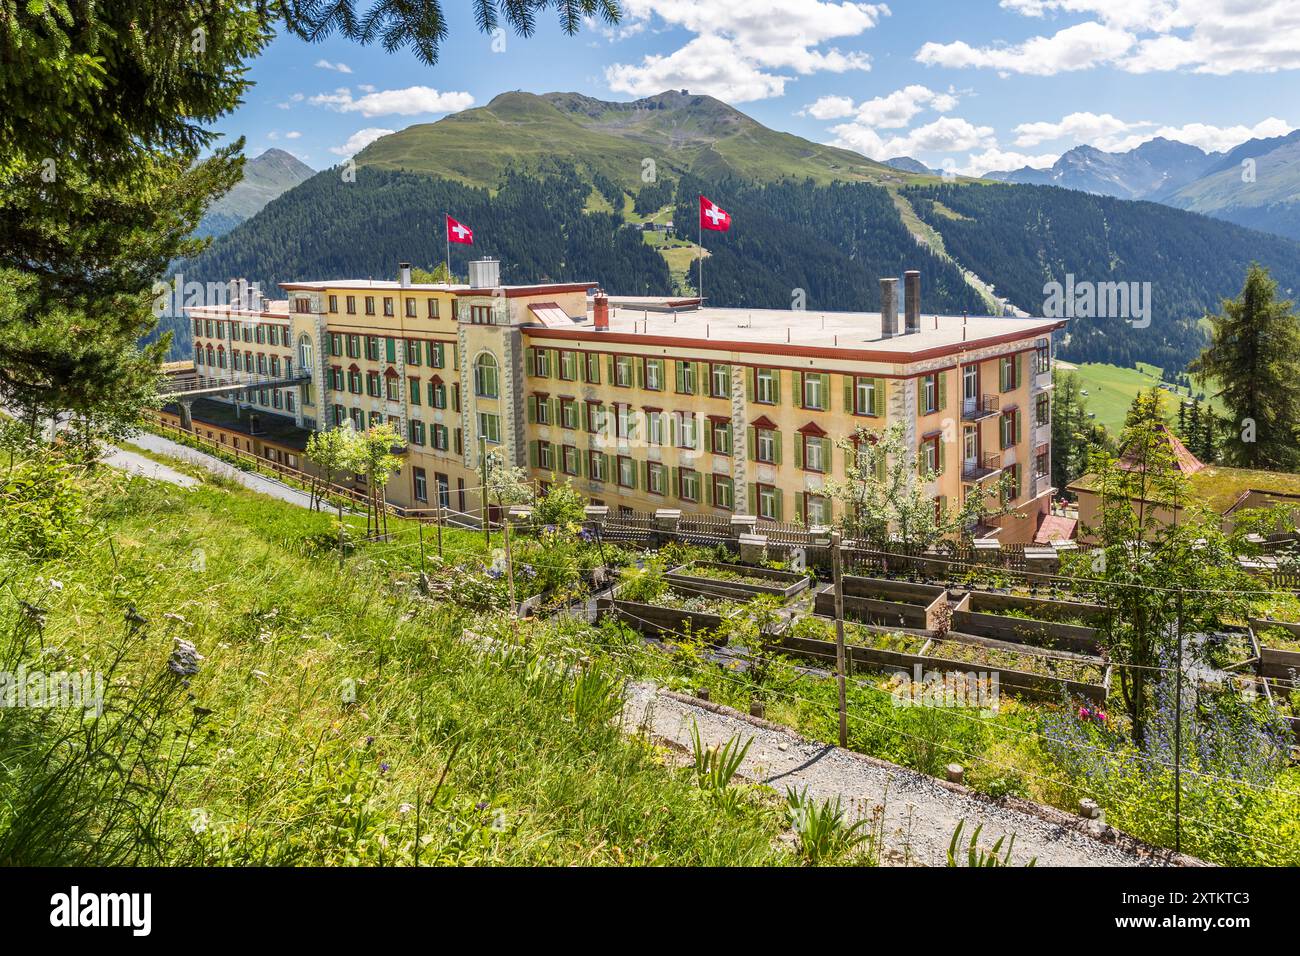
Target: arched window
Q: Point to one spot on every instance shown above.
(304, 351)
(208, 350)
(485, 376)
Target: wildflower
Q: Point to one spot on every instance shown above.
(405, 808)
(184, 659)
(369, 741)
(383, 767)
(199, 821)
(56, 585)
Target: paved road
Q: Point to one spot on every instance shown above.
(920, 813)
(254, 482)
(136, 464)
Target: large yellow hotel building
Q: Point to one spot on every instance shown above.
(644, 403)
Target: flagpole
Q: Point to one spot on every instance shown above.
(699, 222)
(446, 234)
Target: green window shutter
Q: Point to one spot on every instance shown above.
(645, 475)
(609, 366)
(390, 348)
(942, 455)
(532, 454)
(880, 468)
(942, 378)
(798, 507)
(1020, 431)
(796, 389)
(878, 398)
(455, 356)
(608, 463)
(640, 373)
(849, 385)
(798, 453)
(749, 384)
(920, 393)
(751, 443)
(555, 410)
(1002, 374)
(532, 409)
(708, 436)
(707, 481)
(753, 498)
(679, 370)
(776, 386)
(779, 495)
(776, 447)
(1020, 364)
(828, 454)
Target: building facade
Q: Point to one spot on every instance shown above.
(650, 403)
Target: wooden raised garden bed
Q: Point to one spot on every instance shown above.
(737, 580)
(1279, 647)
(885, 602)
(1045, 622)
(666, 622)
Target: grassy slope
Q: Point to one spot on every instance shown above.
(1111, 391)
(285, 770)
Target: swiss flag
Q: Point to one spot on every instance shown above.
(713, 216)
(459, 232)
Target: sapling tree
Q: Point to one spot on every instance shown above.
(885, 496)
(334, 452)
(1163, 566)
(378, 464)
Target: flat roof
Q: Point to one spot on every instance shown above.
(813, 329)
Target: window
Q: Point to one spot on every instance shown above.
(720, 435)
(623, 371)
(817, 510)
(654, 374)
(440, 437)
(358, 420)
(765, 386)
(410, 308)
(687, 430)
(334, 303)
(485, 376)
(769, 503)
(866, 396)
(412, 352)
(542, 363)
(568, 413)
(654, 424)
(928, 393)
(545, 455)
(767, 445)
(688, 481)
(1041, 464)
(481, 314)
(489, 427)
(432, 308)
(595, 418)
(1010, 427)
(372, 348)
(541, 409)
(1043, 409)
(685, 378)
(654, 478)
(932, 454)
(569, 460)
(1043, 356)
(724, 492)
(275, 366)
(392, 388)
(352, 305)
(814, 453)
(370, 305)
(1013, 485)
(336, 344)
(437, 354)
(420, 484)
(591, 367)
(1009, 368)
(437, 394)
(596, 465)
(814, 391)
(416, 428)
(354, 346)
(720, 381)
(304, 351)
(301, 305)
(568, 365)
(626, 472)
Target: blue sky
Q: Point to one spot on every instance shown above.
(970, 85)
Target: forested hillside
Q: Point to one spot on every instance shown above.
(1022, 237)
(834, 242)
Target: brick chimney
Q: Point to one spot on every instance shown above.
(911, 301)
(888, 308)
(600, 311)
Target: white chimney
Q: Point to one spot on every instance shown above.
(484, 273)
(404, 274)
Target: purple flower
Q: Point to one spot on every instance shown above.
(383, 767)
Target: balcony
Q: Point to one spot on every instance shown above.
(977, 409)
(981, 468)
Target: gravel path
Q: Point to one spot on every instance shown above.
(134, 463)
(920, 812)
(254, 482)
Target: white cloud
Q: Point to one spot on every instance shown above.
(829, 107)
(337, 67)
(977, 164)
(898, 108)
(744, 51)
(1212, 139)
(1080, 127)
(359, 141)
(293, 134)
(947, 134)
(288, 104)
(403, 102)
(1079, 47)
(1143, 36)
